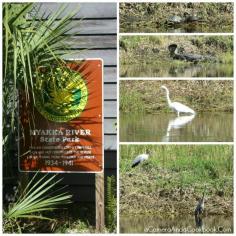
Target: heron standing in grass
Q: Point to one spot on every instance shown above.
(177, 106)
(141, 158)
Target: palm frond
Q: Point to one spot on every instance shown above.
(30, 43)
(37, 197)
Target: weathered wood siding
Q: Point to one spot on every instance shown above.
(94, 35)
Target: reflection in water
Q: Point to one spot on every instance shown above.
(168, 70)
(187, 224)
(177, 123)
(199, 223)
(204, 127)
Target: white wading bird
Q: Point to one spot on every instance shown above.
(140, 158)
(177, 106)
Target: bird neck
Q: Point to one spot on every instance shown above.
(202, 202)
(203, 195)
(168, 96)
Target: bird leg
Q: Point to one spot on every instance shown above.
(178, 113)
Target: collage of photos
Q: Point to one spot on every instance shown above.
(176, 88)
(118, 117)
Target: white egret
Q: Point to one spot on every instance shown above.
(177, 106)
(140, 158)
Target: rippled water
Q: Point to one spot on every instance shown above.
(187, 224)
(190, 70)
(204, 127)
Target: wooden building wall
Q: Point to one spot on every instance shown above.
(94, 36)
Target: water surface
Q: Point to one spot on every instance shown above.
(167, 127)
(168, 70)
(187, 224)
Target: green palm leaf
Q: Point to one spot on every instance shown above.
(30, 43)
(37, 198)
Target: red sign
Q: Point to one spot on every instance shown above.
(62, 126)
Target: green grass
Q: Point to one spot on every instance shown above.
(200, 163)
(77, 226)
(174, 167)
(227, 58)
(189, 164)
(127, 97)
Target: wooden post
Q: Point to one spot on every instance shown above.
(99, 188)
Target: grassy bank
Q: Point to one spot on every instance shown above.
(218, 17)
(147, 96)
(173, 179)
(154, 49)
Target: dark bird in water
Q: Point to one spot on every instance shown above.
(200, 206)
(140, 159)
(177, 54)
(199, 223)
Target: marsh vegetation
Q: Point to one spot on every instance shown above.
(168, 186)
(202, 95)
(153, 17)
